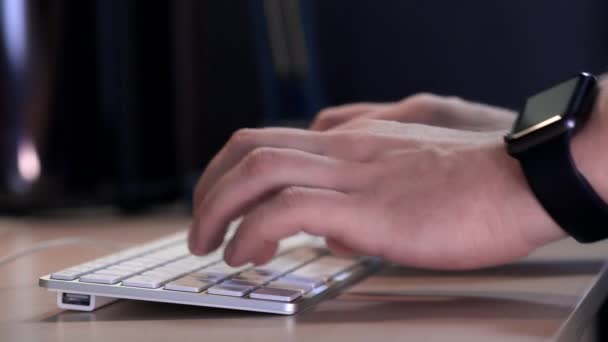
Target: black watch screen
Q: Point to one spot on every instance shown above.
(553, 112)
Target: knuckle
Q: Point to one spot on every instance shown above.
(290, 197)
(330, 111)
(425, 106)
(345, 138)
(451, 102)
(241, 138)
(322, 121)
(355, 124)
(260, 160)
(355, 144)
(325, 117)
(422, 101)
(454, 98)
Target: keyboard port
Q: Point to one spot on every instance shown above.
(76, 299)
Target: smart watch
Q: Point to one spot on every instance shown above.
(540, 140)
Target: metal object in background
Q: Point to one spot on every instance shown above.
(28, 32)
(103, 103)
(287, 60)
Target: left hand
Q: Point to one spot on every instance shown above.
(427, 109)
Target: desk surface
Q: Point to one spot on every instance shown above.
(551, 295)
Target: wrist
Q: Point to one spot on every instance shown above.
(528, 218)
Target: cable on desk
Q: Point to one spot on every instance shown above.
(48, 244)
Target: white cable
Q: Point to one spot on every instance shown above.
(44, 245)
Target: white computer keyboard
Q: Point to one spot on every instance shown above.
(302, 273)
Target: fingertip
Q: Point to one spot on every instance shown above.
(232, 256)
(338, 249)
(233, 261)
(193, 245)
(264, 256)
(194, 248)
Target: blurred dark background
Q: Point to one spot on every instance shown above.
(123, 102)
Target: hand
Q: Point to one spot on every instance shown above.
(426, 109)
(414, 194)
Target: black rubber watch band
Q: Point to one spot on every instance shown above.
(563, 191)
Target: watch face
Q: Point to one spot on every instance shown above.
(548, 106)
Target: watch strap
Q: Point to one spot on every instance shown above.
(563, 191)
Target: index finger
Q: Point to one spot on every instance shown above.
(246, 140)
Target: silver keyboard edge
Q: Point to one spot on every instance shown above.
(366, 268)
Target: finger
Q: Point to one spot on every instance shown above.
(244, 141)
(318, 212)
(442, 111)
(262, 172)
(419, 108)
(267, 252)
(334, 116)
(339, 249)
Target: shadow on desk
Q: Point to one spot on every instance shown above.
(525, 268)
(132, 310)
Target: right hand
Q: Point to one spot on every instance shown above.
(428, 109)
(415, 194)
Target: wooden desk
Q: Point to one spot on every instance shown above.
(552, 295)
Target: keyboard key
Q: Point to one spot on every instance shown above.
(219, 271)
(123, 268)
(144, 281)
(136, 264)
(92, 265)
(101, 278)
(224, 267)
(304, 281)
(255, 276)
(174, 245)
(188, 284)
(148, 261)
(180, 267)
(208, 277)
(135, 267)
(161, 274)
(227, 289)
(270, 293)
(289, 261)
(171, 253)
(324, 268)
(302, 288)
(114, 272)
(68, 274)
(202, 261)
(238, 282)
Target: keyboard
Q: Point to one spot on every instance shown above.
(301, 274)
